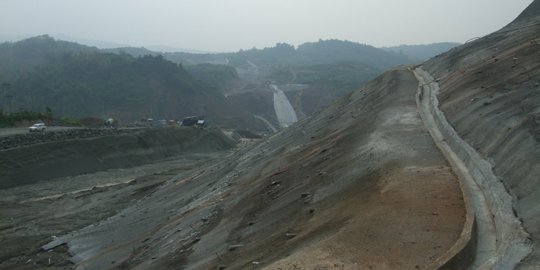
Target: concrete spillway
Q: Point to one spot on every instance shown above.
(284, 110)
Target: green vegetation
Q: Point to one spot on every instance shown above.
(336, 76)
(11, 119)
(21, 57)
(28, 117)
(136, 52)
(312, 53)
(333, 67)
(130, 84)
(218, 76)
(78, 81)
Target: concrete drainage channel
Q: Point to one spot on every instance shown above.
(494, 238)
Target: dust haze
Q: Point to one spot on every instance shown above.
(327, 146)
(218, 26)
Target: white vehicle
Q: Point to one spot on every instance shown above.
(38, 127)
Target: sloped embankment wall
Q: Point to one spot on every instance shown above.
(40, 162)
(490, 94)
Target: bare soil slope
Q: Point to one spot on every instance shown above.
(32, 214)
(358, 185)
(490, 94)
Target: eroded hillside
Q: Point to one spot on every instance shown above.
(426, 167)
(490, 94)
(360, 184)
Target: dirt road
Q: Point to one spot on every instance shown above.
(23, 130)
(266, 122)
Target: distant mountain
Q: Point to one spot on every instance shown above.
(80, 81)
(165, 49)
(149, 50)
(133, 51)
(323, 70)
(331, 51)
(131, 83)
(101, 44)
(18, 58)
(221, 77)
(422, 52)
(311, 53)
(323, 83)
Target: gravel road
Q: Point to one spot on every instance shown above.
(24, 130)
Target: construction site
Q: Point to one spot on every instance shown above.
(428, 166)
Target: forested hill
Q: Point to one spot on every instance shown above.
(129, 84)
(311, 53)
(81, 81)
(21, 57)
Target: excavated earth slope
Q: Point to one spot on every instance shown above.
(359, 185)
(490, 93)
(73, 155)
(52, 188)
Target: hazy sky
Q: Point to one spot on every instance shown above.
(229, 25)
